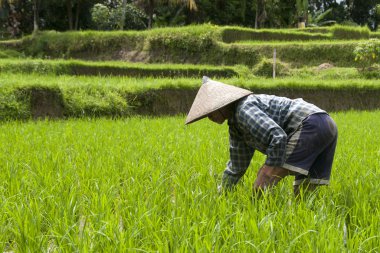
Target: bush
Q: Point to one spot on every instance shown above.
(367, 53)
(265, 68)
(135, 19)
(371, 73)
(101, 17)
(106, 18)
(14, 104)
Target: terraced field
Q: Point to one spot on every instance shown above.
(94, 154)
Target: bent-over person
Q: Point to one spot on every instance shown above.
(297, 137)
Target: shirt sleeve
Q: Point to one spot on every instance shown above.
(240, 158)
(266, 133)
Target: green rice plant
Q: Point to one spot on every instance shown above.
(349, 33)
(143, 84)
(235, 34)
(14, 104)
(9, 53)
(149, 184)
(117, 68)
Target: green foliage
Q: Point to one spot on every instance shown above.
(299, 54)
(372, 72)
(135, 19)
(367, 53)
(107, 18)
(120, 96)
(322, 18)
(233, 34)
(265, 68)
(196, 45)
(14, 104)
(9, 53)
(101, 16)
(94, 101)
(142, 184)
(302, 6)
(350, 33)
(88, 44)
(33, 66)
(75, 67)
(317, 29)
(375, 35)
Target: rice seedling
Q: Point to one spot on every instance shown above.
(149, 185)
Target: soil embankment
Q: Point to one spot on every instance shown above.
(178, 101)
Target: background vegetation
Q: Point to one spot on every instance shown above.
(20, 17)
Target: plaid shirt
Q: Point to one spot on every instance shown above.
(263, 123)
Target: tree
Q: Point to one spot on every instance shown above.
(13, 16)
(122, 20)
(112, 17)
(280, 13)
(35, 15)
(150, 5)
(261, 13)
(73, 6)
(302, 7)
(359, 10)
(65, 15)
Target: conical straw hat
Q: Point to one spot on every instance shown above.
(212, 96)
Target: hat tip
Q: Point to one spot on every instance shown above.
(205, 79)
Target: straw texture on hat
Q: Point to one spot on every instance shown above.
(212, 96)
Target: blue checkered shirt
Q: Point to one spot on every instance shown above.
(263, 123)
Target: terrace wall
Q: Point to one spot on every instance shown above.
(50, 103)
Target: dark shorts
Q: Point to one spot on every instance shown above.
(310, 150)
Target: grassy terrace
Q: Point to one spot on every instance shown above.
(23, 96)
(128, 69)
(113, 68)
(205, 44)
(298, 42)
(120, 73)
(140, 84)
(122, 183)
(340, 78)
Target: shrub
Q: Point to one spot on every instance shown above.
(370, 73)
(101, 16)
(14, 104)
(367, 53)
(265, 68)
(106, 18)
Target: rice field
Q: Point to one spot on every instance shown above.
(150, 185)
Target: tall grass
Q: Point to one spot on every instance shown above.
(339, 78)
(113, 68)
(144, 185)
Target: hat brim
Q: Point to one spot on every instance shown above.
(213, 96)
